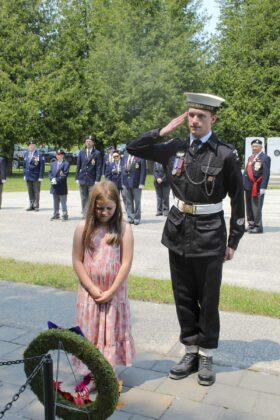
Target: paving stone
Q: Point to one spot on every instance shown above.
(183, 410)
(147, 360)
(267, 405)
(26, 338)
(13, 374)
(228, 375)
(25, 398)
(120, 415)
(146, 403)
(165, 365)
(186, 388)
(261, 381)
(10, 333)
(136, 417)
(35, 410)
(231, 397)
(142, 378)
(237, 415)
(6, 348)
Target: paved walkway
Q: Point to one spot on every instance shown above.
(247, 360)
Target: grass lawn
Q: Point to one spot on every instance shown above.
(15, 182)
(234, 299)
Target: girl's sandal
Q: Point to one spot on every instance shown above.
(86, 386)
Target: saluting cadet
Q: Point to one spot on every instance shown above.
(89, 169)
(58, 174)
(201, 170)
(133, 179)
(162, 188)
(33, 174)
(256, 177)
(2, 176)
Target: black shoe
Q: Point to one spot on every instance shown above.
(206, 376)
(256, 230)
(159, 213)
(55, 217)
(64, 217)
(130, 221)
(30, 208)
(187, 365)
(249, 228)
(136, 222)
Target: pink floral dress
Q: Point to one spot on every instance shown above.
(106, 325)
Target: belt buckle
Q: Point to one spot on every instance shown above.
(189, 208)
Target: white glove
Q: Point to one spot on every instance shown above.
(262, 191)
(78, 182)
(40, 179)
(3, 181)
(24, 178)
(141, 186)
(53, 181)
(159, 180)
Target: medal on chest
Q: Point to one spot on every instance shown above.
(178, 164)
(257, 165)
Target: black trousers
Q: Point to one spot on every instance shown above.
(196, 286)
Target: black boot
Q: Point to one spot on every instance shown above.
(206, 375)
(187, 365)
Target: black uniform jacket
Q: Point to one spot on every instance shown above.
(206, 177)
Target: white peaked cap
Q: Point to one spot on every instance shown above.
(204, 101)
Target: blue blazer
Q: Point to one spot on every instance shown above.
(35, 168)
(135, 175)
(113, 175)
(261, 167)
(60, 174)
(89, 170)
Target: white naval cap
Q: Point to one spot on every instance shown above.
(204, 101)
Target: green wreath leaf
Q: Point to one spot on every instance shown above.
(106, 381)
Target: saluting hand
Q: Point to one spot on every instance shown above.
(175, 123)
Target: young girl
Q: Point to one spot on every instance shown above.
(102, 258)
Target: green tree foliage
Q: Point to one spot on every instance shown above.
(246, 69)
(112, 68)
(20, 48)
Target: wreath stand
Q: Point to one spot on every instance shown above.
(106, 382)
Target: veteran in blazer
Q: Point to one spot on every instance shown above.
(58, 173)
(89, 169)
(33, 174)
(133, 179)
(256, 177)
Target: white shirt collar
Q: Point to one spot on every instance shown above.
(203, 139)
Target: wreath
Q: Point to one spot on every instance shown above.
(106, 382)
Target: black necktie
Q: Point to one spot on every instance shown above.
(196, 144)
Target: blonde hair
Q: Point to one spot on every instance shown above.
(104, 190)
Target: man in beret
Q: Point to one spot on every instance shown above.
(89, 169)
(201, 170)
(33, 174)
(256, 177)
(58, 174)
